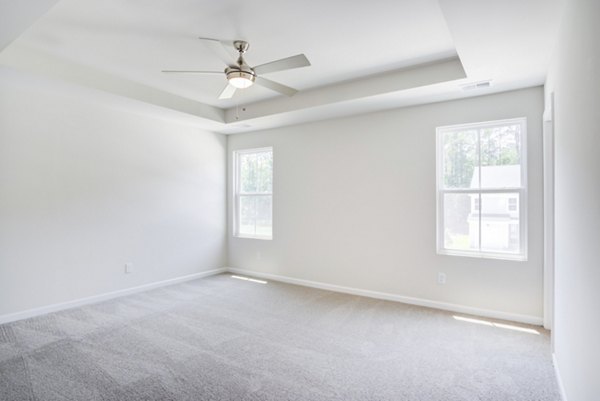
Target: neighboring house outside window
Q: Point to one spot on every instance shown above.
(482, 189)
(253, 189)
(499, 219)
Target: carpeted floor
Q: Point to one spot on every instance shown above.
(223, 338)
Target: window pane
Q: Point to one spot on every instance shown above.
(264, 215)
(461, 222)
(264, 172)
(248, 173)
(499, 225)
(256, 172)
(256, 215)
(247, 220)
(501, 157)
(459, 158)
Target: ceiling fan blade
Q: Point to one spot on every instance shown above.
(191, 72)
(228, 92)
(277, 87)
(218, 47)
(288, 63)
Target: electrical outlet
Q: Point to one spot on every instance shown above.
(441, 278)
(258, 255)
(128, 268)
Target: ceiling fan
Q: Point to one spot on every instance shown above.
(240, 75)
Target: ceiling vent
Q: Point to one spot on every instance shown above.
(476, 85)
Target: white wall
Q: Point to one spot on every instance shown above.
(575, 81)
(354, 205)
(85, 189)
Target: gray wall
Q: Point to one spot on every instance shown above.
(85, 189)
(575, 81)
(354, 205)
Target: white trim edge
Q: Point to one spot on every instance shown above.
(561, 388)
(104, 297)
(534, 320)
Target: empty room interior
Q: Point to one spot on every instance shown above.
(281, 200)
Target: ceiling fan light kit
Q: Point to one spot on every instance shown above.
(241, 76)
(240, 79)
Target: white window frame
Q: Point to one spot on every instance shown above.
(237, 192)
(522, 191)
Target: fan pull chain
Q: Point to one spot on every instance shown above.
(237, 104)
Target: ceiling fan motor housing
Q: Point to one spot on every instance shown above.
(241, 46)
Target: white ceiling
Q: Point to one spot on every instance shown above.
(359, 51)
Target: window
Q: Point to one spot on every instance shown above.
(253, 183)
(482, 189)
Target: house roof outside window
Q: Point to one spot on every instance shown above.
(507, 176)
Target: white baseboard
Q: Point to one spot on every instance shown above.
(534, 320)
(104, 297)
(561, 388)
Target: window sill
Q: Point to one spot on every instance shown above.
(517, 257)
(264, 238)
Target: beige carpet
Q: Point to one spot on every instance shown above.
(223, 338)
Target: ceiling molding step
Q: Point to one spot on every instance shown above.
(33, 61)
(17, 16)
(389, 82)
